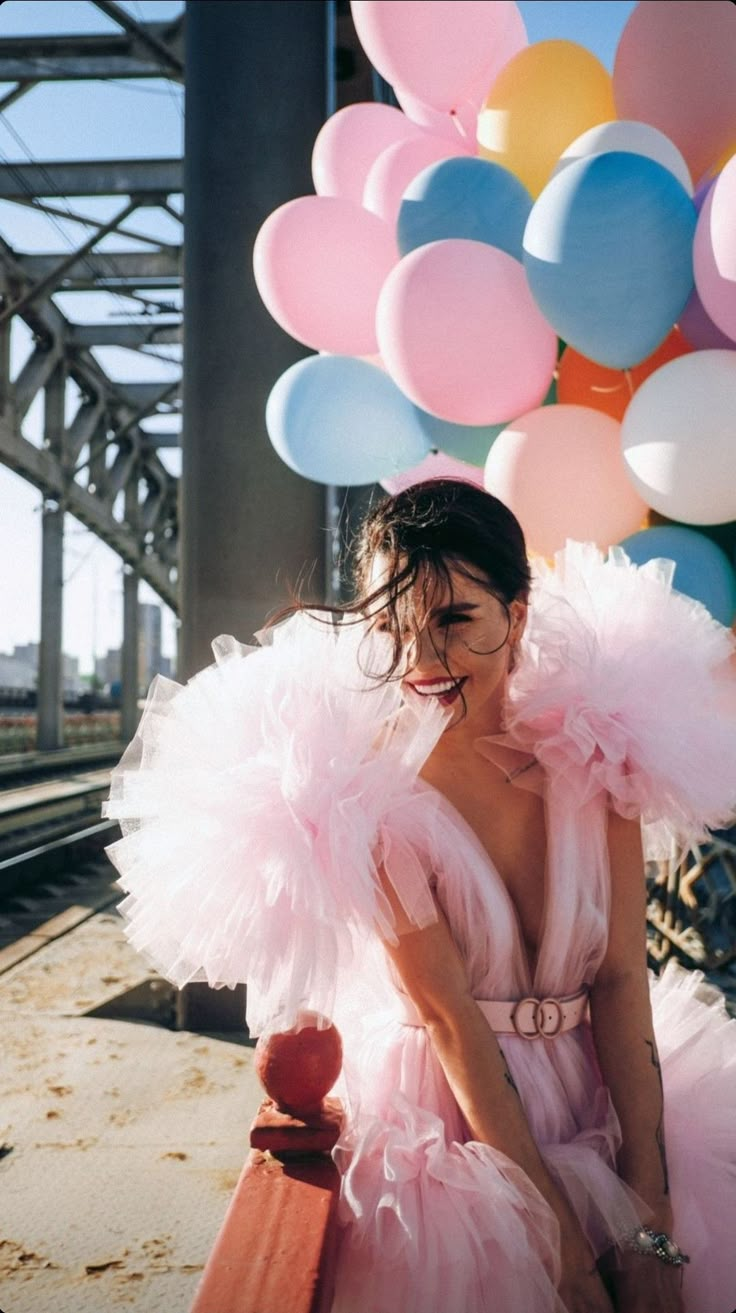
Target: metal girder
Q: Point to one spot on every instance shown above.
(38, 368)
(146, 179)
(46, 473)
(142, 36)
(133, 336)
(116, 269)
(170, 439)
(82, 428)
(56, 274)
(143, 397)
(105, 55)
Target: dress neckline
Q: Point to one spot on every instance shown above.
(530, 970)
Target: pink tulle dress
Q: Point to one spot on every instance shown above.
(255, 803)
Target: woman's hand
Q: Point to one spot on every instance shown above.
(643, 1284)
(581, 1288)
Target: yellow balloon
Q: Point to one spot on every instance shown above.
(544, 98)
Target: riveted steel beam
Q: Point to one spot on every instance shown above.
(133, 336)
(115, 270)
(103, 55)
(148, 180)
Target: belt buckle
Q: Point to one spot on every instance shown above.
(538, 1017)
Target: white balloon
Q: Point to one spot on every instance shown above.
(628, 135)
(679, 438)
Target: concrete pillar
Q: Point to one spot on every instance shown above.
(255, 102)
(256, 87)
(50, 724)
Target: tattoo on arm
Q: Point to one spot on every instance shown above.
(509, 1078)
(659, 1133)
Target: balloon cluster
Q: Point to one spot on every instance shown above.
(526, 277)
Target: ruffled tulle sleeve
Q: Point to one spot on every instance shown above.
(629, 687)
(255, 804)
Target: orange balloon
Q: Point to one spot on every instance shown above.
(583, 382)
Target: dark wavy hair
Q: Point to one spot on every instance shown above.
(420, 534)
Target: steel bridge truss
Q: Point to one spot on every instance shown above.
(102, 464)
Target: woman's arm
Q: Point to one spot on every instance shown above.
(434, 976)
(621, 1018)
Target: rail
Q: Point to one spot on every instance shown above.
(275, 1251)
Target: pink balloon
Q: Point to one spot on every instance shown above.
(350, 142)
(460, 125)
(399, 165)
(561, 471)
(436, 465)
(714, 252)
(675, 69)
(437, 49)
(511, 38)
(319, 264)
(460, 333)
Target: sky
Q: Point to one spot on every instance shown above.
(131, 119)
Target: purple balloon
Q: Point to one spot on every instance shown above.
(698, 328)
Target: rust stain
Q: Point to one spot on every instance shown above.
(14, 1257)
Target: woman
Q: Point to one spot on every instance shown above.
(425, 822)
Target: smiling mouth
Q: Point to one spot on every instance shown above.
(445, 691)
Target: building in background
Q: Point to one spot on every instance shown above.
(107, 669)
(149, 643)
(150, 659)
(19, 669)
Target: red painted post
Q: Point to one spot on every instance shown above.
(275, 1249)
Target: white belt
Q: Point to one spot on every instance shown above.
(529, 1018)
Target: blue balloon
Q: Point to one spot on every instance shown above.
(335, 419)
(469, 442)
(464, 197)
(702, 570)
(608, 255)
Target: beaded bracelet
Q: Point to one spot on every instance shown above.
(657, 1243)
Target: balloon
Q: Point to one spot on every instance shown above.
(319, 264)
(582, 382)
(338, 420)
(702, 570)
(397, 166)
(460, 334)
(464, 198)
(541, 101)
(559, 469)
(466, 442)
(678, 438)
(350, 142)
(637, 138)
(674, 68)
(461, 122)
(608, 255)
(437, 49)
(434, 466)
(698, 328)
(510, 38)
(714, 252)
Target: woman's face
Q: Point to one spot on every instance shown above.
(457, 646)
